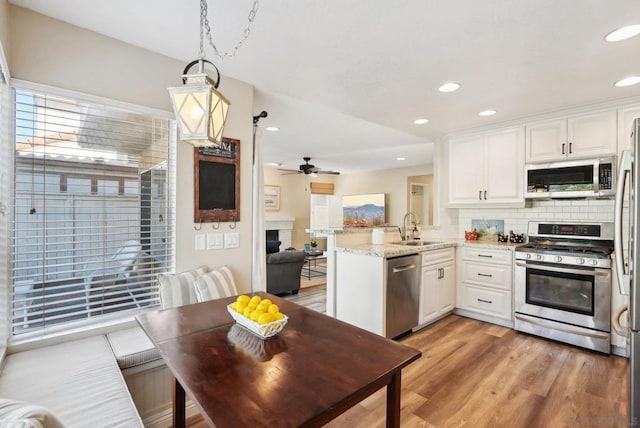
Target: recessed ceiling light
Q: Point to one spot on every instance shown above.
(623, 33)
(449, 87)
(628, 81)
(487, 113)
(421, 121)
(272, 128)
(401, 158)
(276, 164)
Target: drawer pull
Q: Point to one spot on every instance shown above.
(485, 255)
(485, 301)
(485, 274)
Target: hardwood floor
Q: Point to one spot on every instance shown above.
(481, 375)
(474, 374)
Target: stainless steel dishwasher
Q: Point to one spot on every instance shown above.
(403, 294)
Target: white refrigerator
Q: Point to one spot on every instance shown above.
(627, 237)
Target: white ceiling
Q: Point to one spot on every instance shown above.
(344, 79)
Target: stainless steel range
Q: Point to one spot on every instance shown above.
(563, 283)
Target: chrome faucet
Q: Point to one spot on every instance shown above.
(404, 235)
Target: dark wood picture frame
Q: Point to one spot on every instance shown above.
(216, 179)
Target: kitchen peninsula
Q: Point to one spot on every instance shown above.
(357, 274)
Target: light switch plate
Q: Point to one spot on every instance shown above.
(200, 241)
(231, 240)
(215, 241)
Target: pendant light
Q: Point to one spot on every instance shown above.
(201, 111)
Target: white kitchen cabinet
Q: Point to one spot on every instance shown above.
(485, 284)
(574, 137)
(487, 169)
(437, 290)
(626, 117)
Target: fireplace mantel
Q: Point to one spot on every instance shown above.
(284, 226)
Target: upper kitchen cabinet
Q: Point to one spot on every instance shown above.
(487, 169)
(573, 137)
(626, 117)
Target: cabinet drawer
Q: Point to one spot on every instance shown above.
(487, 274)
(490, 302)
(437, 256)
(488, 255)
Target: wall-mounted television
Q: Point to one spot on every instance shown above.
(366, 210)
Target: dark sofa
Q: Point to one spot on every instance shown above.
(283, 271)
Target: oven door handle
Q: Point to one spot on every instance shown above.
(588, 271)
(564, 327)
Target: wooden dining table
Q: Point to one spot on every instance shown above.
(316, 368)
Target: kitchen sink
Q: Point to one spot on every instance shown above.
(416, 243)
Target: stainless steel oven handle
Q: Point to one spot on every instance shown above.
(623, 172)
(562, 327)
(555, 268)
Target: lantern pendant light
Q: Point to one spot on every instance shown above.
(201, 111)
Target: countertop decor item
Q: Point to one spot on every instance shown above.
(488, 229)
(503, 238)
(516, 238)
(471, 236)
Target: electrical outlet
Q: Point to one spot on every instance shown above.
(200, 241)
(231, 240)
(215, 241)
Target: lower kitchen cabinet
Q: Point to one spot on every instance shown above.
(485, 284)
(437, 291)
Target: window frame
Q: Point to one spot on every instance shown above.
(82, 327)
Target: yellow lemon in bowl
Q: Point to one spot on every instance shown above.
(256, 314)
(265, 318)
(278, 316)
(244, 299)
(273, 308)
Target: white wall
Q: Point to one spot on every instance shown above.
(51, 52)
(4, 29)
(392, 182)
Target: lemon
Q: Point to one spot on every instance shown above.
(256, 314)
(247, 312)
(265, 318)
(278, 316)
(243, 298)
(233, 305)
(266, 302)
(264, 307)
(273, 308)
(255, 300)
(239, 307)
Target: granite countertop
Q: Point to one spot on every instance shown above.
(394, 250)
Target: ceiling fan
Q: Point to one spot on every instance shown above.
(308, 169)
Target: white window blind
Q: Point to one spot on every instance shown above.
(93, 211)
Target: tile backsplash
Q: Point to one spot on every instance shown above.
(516, 219)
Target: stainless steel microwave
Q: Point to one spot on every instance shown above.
(586, 178)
